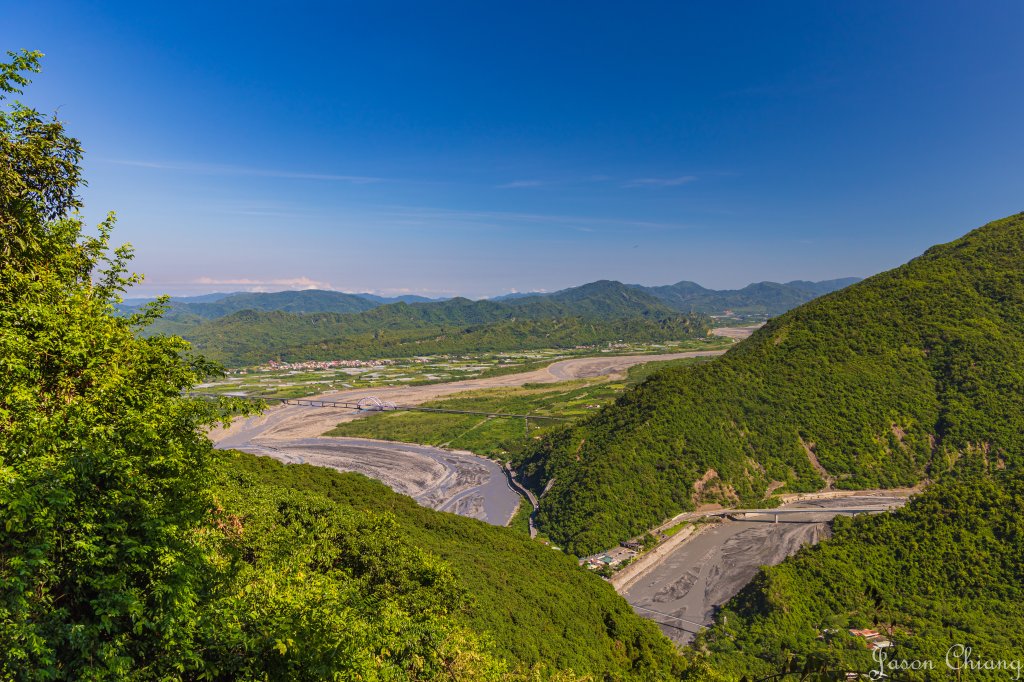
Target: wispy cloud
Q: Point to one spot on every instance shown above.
(661, 182)
(219, 169)
(450, 218)
(517, 184)
(250, 284)
(404, 291)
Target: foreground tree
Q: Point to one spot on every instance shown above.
(103, 466)
(123, 554)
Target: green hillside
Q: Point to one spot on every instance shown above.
(312, 301)
(598, 313)
(601, 299)
(181, 315)
(251, 328)
(534, 603)
(947, 570)
(880, 384)
(208, 306)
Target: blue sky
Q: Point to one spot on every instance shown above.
(477, 148)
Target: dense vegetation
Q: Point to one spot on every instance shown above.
(130, 549)
(532, 602)
(209, 306)
(763, 297)
(947, 570)
(881, 384)
(247, 328)
(760, 298)
(602, 313)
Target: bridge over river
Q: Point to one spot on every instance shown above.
(680, 589)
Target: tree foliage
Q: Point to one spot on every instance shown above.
(534, 605)
(760, 298)
(101, 463)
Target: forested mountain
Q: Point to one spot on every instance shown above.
(883, 383)
(132, 303)
(309, 301)
(602, 299)
(303, 301)
(404, 298)
(761, 298)
(251, 328)
(597, 300)
(596, 313)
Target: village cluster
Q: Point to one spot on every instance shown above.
(327, 364)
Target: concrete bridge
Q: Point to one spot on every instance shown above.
(776, 513)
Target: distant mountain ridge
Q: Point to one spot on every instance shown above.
(600, 312)
(251, 328)
(760, 298)
(209, 306)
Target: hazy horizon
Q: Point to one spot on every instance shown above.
(139, 292)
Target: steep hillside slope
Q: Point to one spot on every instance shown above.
(535, 604)
(602, 299)
(880, 384)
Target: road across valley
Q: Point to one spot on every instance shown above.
(681, 590)
(286, 422)
(459, 482)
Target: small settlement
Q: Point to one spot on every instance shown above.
(613, 558)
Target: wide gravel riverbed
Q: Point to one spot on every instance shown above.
(459, 482)
(682, 592)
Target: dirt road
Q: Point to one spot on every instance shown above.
(287, 422)
(735, 332)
